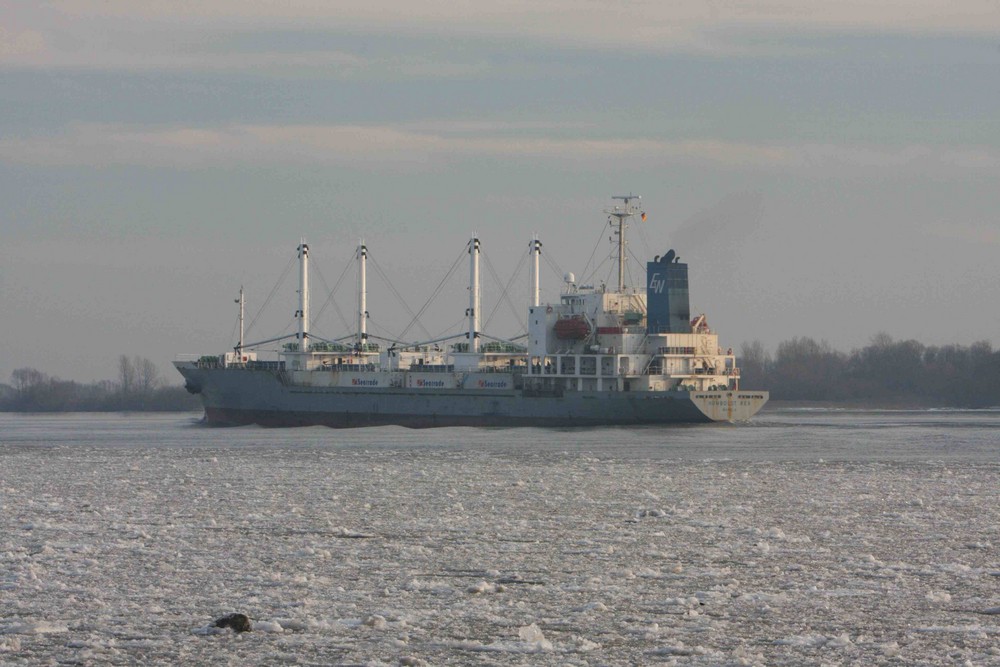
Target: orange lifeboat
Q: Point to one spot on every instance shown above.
(572, 328)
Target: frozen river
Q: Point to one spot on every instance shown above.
(806, 537)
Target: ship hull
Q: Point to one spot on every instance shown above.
(235, 396)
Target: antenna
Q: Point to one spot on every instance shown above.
(242, 303)
(536, 251)
(473, 311)
(303, 312)
(618, 216)
(362, 295)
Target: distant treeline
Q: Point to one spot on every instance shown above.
(885, 373)
(138, 387)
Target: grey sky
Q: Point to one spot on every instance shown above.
(828, 169)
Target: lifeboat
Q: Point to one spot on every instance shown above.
(572, 328)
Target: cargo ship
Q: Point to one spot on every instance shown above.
(602, 355)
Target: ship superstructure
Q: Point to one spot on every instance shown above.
(600, 355)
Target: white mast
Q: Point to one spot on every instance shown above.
(622, 213)
(303, 312)
(536, 251)
(474, 295)
(362, 295)
(242, 303)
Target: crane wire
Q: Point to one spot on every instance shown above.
(284, 274)
(454, 325)
(554, 266)
(505, 295)
(594, 252)
(416, 317)
(399, 297)
(330, 294)
(437, 290)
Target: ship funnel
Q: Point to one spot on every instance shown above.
(668, 305)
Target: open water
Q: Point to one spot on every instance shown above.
(804, 537)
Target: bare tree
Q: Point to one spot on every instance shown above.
(755, 364)
(126, 375)
(25, 379)
(148, 376)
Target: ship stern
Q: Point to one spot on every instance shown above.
(729, 406)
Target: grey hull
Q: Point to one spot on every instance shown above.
(244, 396)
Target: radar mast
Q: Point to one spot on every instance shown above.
(618, 218)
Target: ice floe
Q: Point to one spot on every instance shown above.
(392, 547)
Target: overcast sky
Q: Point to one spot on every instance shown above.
(828, 169)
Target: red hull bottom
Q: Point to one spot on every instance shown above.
(268, 418)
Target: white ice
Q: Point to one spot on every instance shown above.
(451, 555)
